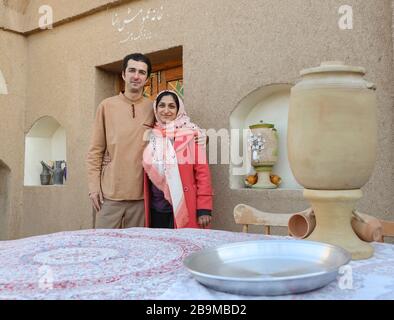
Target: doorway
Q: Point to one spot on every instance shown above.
(163, 77)
(167, 73)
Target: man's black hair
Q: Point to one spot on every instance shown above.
(137, 57)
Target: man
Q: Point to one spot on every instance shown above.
(116, 189)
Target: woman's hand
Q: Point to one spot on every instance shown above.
(201, 139)
(204, 221)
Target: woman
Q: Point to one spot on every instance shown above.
(177, 182)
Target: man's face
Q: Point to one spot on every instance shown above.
(135, 76)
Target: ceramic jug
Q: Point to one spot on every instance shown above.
(264, 152)
(46, 174)
(58, 173)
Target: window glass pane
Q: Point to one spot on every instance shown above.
(176, 86)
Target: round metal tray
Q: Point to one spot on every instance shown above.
(267, 267)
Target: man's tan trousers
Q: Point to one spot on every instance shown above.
(120, 214)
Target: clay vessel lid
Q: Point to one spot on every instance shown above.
(333, 66)
(262, 125)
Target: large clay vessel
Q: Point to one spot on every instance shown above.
(332, 137)
(332, 128)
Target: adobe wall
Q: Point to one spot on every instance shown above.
(14, 67)
(230, 49)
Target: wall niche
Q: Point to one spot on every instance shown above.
(46, 141)
(269, 104)
(5, 173)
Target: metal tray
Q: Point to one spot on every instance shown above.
(267, 267)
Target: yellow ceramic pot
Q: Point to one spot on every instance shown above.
(264, 152)
(332, 129)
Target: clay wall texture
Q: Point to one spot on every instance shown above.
(230, 49)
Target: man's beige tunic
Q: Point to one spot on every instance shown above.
(118, 129)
